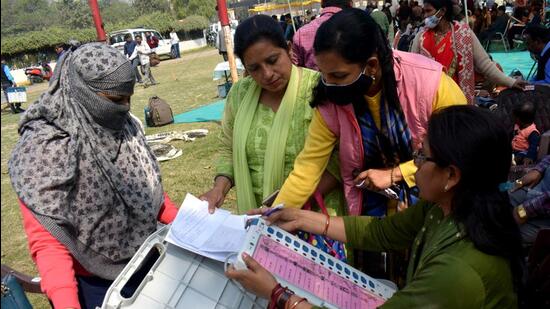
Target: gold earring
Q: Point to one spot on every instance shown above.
(446, 188)
(373, 78)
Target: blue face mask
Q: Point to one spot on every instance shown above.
(432, 21)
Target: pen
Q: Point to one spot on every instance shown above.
(272, 210)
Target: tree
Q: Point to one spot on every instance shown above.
(25, 15)
(116, 11)
(184, 8)
(149, 6)
(74, 14)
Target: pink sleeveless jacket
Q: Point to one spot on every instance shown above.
(418, 80)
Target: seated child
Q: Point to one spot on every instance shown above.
(526, 136)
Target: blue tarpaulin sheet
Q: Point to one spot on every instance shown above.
(210, 112)
(514, 60)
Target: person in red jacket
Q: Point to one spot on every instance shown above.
(89, 187)
(152, 40)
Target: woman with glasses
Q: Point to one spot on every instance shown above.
(465, 245)
(375, 104)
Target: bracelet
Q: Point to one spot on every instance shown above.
(275, 293)
(284, 298)
(296, 303)
(391, 176)
(327, 223)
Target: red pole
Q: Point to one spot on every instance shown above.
(224, 20)
(222, 12)
(94, 7)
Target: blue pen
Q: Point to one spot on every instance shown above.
(273, 210)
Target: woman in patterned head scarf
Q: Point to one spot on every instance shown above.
(89, 187)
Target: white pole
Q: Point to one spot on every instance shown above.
(291, 16)
(466, 12)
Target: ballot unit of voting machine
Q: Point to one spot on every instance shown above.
(311, 273)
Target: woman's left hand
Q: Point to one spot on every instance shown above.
(255, 279)
(374, 179)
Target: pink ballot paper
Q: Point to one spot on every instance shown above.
(311, 273)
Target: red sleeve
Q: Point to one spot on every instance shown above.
(54, 263)
(168, 210)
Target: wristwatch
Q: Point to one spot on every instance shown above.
(522, 214)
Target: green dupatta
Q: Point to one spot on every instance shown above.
(276, 146)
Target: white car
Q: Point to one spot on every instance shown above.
(116, 39)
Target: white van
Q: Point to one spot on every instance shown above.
(116, 39)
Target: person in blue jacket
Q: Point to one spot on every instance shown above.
(537, 39)
(129, 47)
(7, 82)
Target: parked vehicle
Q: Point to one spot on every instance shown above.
(116, 39)
(38, 74)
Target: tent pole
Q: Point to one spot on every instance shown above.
(466, 12)
(291, 16)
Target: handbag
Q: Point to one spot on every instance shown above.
(154, 59)
(327, 245)
(13, 296)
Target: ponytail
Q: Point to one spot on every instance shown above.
(487, 220)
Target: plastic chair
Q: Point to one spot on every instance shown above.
(500, 37)
(521, 41)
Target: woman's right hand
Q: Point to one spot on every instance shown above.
(287, 218)
(293, 219)
(214, 197)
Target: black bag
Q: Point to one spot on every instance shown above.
(13, 296)
(158, 113)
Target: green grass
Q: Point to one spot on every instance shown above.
(185, 84)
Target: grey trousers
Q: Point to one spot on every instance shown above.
(135, 65)
(147, 76)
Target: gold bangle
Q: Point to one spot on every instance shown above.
(327, 223)
(522, 214)
(296, 303)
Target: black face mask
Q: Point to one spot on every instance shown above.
(347, 94)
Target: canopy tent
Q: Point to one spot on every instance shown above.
(265, 7)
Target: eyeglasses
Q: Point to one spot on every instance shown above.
(419, 158)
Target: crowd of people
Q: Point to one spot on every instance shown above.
(369, 149)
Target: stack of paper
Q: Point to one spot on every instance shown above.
(217, 236)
